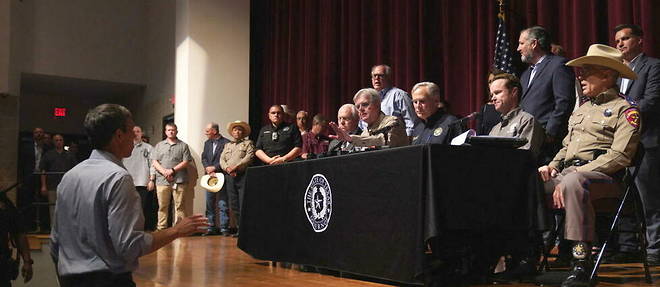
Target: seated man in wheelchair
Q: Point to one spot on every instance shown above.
(603, 135)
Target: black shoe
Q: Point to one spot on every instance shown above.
(579, 275)
(225, 232)
(235, 235)
(211, 233)
(522, 271)
(653, 259)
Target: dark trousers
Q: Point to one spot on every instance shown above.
(149, 207)
(32, 215)
(98, 279)
(648, 185)
(235, 192)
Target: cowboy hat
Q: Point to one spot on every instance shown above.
(604, 56)
(212, 183)
(244, 125)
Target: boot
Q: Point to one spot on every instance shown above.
(581, 266)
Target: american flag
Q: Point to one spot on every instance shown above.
(502, 59)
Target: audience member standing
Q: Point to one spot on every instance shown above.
(170, 160)
(98, 234)
(28, 164)
(139, 167)
(216, 202)
(56, 161)
(235, 159)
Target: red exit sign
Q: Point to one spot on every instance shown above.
(59, 112)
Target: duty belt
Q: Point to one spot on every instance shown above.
(575, 162)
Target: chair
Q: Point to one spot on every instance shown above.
(630, 194)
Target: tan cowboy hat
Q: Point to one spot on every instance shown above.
(244, 125)
(604, 56)
(212, 183)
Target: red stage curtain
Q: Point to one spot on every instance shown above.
(314, 55)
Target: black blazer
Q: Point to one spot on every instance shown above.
(645, 90)
(209, 158)
(551, 96)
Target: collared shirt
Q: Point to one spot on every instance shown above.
(520, 124)
(605, 131)
(336, 144)
(139, 164)
(386, 130)
(278, 140)
(169, 155)
(237, 153)
(53, 161)
(396, 102)
(534, 67)
(314, 143)
(99, 224)
(625, 81)
(439, 128)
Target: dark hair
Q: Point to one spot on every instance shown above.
(541, 35)
(171, 124)
(634, 29)
(319, 119)
(216, 127)
(102, 121)
(511, 82)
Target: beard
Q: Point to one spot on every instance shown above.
(527, 59)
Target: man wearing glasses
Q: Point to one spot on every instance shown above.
(393, 101)
(278, 142)
(603, 135)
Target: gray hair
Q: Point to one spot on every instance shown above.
(372, 94)
(388, 69)
(352, 108)
(431, 88)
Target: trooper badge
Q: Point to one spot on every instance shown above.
(318, 203)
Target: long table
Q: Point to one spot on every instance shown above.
(372, 213)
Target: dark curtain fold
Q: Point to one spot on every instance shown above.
(314, 55)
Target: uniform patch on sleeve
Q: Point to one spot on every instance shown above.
(632, 116)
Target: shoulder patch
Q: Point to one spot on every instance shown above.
(633, 117)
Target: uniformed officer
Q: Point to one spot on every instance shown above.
(381, 129)
(435, 125)
(278, 142)
(602, 139)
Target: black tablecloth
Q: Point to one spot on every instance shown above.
(385, 205)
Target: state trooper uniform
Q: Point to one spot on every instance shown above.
(602, 139)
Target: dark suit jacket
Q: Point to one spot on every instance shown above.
(209, 158)
(645, 90)
(551, 96)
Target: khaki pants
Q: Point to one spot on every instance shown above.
(580, 189)
(165, 193)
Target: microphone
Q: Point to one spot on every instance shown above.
(462, 120)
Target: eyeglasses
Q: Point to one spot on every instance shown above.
(376, 76)
(362, 105)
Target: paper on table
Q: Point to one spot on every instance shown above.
(460, 139)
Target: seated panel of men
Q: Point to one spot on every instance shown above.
(603, 136)
(505, 90)
(381, 130)
(435, 125)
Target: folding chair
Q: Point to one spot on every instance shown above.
(630, 194)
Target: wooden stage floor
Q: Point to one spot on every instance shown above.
(216, 261)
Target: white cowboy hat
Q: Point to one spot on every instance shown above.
(244, 125)
(604, 56)
(212, 183)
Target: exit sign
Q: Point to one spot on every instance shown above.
(59, 112)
